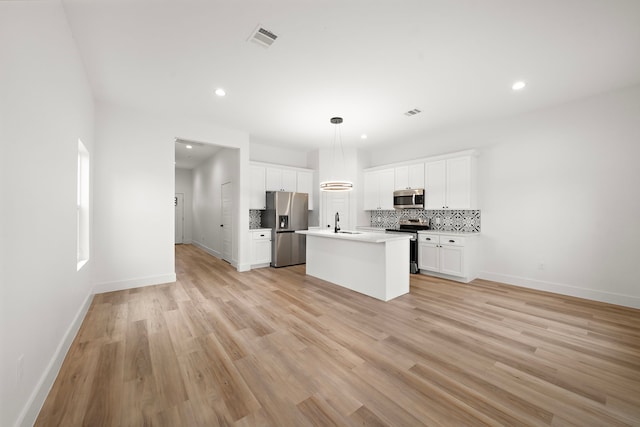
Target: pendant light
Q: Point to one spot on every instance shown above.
(336, 184)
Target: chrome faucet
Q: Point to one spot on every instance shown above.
(336, 227)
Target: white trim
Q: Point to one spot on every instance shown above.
(564, 289)
(234, 263)
(472, 153)
(245, 267)
(139, 282)
(279, 166)
(207, 249)
(460, 279)
(30, 411)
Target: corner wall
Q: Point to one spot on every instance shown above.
(560, 200)
(135, 185)
(45, 106)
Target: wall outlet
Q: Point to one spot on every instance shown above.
(20, 369)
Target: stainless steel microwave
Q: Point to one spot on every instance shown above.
(409, 199)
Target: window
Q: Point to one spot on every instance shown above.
(83, 206)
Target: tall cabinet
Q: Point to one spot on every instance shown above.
(266, 177)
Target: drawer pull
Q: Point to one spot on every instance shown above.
(262, 235)
(428, 238)
(452, 241)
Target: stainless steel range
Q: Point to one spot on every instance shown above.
(411, 226)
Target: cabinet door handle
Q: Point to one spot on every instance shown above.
(428, 238)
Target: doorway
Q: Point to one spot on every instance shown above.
(178, 202)
(227, 225)
(336, 202)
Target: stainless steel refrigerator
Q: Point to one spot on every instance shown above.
(287, 212)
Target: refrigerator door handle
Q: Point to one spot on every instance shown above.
(285, 231)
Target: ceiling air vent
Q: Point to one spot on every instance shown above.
(263, 37)
(412, 112)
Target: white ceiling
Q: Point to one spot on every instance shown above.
(190, 154)
(369, 61)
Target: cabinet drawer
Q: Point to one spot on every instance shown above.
(262, 235)
(428, 238)
(452, 240)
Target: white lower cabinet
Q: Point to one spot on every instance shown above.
(449, 256)
(260, 247)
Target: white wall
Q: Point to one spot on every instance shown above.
(335, 166)
(278, 155)
(45, 106)
(207, 201)
(558, 188)
(184, 185)
(562, 192)
(135, 184)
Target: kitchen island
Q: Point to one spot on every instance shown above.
(374, 264)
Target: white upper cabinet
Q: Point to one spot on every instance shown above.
(266, 177)
(449, 184)
(305, 185)
(378, 189)
(435, 185)
(279, 179)
(408, 177)
(257, 198)
(459, 183)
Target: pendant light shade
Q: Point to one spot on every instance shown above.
(336, 184)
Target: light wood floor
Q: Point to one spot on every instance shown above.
(273, 347)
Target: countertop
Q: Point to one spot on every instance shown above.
(433, 232)
(448, 233)
(259, 229)
(361, 236)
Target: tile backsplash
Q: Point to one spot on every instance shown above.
(464, 221)
(255, 219)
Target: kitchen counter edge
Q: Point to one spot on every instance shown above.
(363, 236)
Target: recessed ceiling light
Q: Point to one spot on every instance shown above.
(518, 85)
(363, 136)
(220, 92)
(189, 147)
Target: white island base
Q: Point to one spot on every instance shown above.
(373, 264)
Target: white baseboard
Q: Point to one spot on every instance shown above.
(217, 254)
(244, 267)
(30, 412)
(447, 276)
(560, 288)
(207, 249)
(120, 285)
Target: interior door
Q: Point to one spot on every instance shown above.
(179, 218)
(336, 202)
(227, 222)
